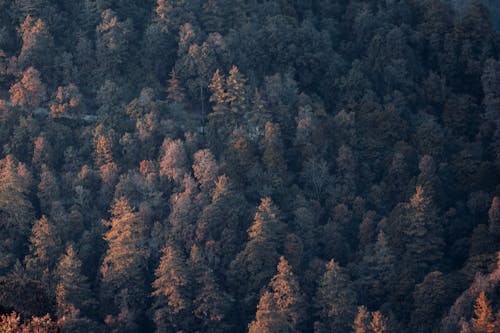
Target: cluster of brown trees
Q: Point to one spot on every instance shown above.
(249, 166)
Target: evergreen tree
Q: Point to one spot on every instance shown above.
(16, 212)
(378, 323)
(219, 94)
(73, 294)
(175, 92)
(288, 300)
(30, 91)
(123, 282)
(362, 321)
(256, 263)
(236, 91)
(211, 304)
(494, 217)
(172, 292)
(45, 249)
(335, 300)
(483, 319)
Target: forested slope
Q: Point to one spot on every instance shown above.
(249, 166)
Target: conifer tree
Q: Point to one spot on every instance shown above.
(16, 212)
(288, 299)
(172, 292)
(175, 92)
(273, 157)
(29, 91)
(483, 319)
(362, 321)
(378, 323)
(211, 305)
(45, 249)
(173, 163)
(494, 217)
(37, 44)
(73, 294)
(124, 266)
(236, 91)
(219, 95)
(335, 301)
(256, 263)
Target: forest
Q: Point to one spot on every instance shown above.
(260, 166)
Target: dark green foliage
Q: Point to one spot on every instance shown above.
(139, 137)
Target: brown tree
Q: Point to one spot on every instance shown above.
(29, 91)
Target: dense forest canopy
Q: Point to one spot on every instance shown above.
(250, 166)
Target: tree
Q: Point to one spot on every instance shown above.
(12, 323)
(266, 319)
(67, 102)
(112, 46)
(123, 283)
(494, 217)
(172, 292)
(205, 169)
(172, 14)
(378, 323)
(173, 163)
(236, 92)
(73, 294)
(175, 92)
(220, 226)
(29, 91)
(273, 157)
(483, 319)
(45, 249)
(290, 305)
(16, 211)
(335, 300)
(37, 44)
(256, 263)
(362, 321)
(212, 305)
(184, 212)
(418, 233)
(219, 94)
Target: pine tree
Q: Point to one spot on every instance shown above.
(173, 163)
(494, 217)
(172, 292)
(362, 321)
(67, 102)
(378, 323)
(175, 92)
(273, 157)
(335, 301)
(288, 298)
(184, 212)
(211, 304)
(37, 44)
(45, 249)
(267, 320)
(16, 212)
(257, 262)
(220, 224)
(172, 14)
(236, 91)
(483, 319)
(73, 294)
(29, 91)
(124, 266)
(418, 234)
(205, 169)
(219, 95)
